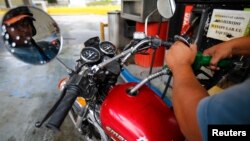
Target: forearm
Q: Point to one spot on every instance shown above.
(240, 46)
(187, 92)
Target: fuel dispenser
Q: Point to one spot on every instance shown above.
(144, 13)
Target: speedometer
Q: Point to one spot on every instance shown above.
(90, 55)
(107, 48)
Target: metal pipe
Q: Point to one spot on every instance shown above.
(69, 70)
(139, 85)
(8, 3)
(146, 22)
(154, 51)
(166, 86)
(102, 31)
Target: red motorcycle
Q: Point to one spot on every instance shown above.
(100, 108)
(103, 110)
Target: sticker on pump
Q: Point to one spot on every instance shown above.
(228, 24)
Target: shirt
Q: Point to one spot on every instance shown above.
(35, 53)
(231, 106)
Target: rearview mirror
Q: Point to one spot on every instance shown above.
(166, 8)
(31, 35)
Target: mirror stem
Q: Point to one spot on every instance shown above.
(146, 22)
(69, 70)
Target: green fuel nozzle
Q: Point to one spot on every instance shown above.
(202, 60)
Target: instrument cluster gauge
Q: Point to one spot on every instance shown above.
(90, 55)
(107, 48)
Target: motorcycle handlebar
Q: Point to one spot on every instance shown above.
(166, 44)
(63, 108)
(72, 91)
(126, 54)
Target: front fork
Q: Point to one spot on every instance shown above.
(80, 113)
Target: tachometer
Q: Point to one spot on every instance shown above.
(90, 55)
(107, 48)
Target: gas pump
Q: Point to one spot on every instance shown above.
(147, 19)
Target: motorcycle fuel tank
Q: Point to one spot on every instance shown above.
(143, 117)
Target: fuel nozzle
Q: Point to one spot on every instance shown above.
(202, 60)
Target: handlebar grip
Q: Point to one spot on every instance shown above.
(63, 108)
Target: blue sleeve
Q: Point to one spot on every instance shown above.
(229, 107)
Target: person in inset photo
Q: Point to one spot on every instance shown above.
(18, 32)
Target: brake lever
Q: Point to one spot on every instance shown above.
(184, 39)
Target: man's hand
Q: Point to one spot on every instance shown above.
(218, 52)
(180, 55)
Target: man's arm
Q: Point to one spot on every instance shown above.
(187, 91)
(238, 46)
